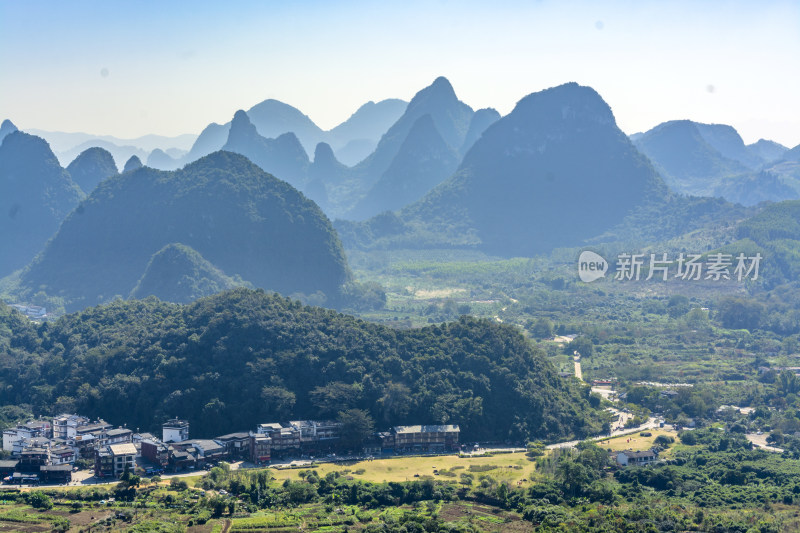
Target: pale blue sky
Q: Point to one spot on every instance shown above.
(174, 67)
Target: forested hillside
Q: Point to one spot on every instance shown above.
(242, 220)
(242, 357)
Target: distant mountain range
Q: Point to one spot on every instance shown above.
(712, 160)
(283, 156)
(67, 146)
(356, 137)
(236, 219)
(423, 160)
(419, 151)
(556, 172)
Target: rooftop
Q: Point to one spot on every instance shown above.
(446, 428)
(639, 454)
(123, 449)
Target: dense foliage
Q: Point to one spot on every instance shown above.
(179, 274)
(243, 357)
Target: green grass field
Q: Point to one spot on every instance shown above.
(508, 467)
(635, 441)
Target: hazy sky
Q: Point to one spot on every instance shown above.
(132, 68)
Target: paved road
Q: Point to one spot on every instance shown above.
(650, 424)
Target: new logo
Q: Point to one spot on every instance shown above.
(591, 266)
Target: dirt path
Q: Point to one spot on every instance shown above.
(761, 442)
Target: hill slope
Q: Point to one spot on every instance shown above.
(179, 274)
(239, 218)
(92, 166)
(423, 162)
(35, 196)
(482, 119)
(282, 157)
(231, 361)
(6, 128)
(449, 114)
(687, 162)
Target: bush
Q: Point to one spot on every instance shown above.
(178, 484)
(664, 440)
(688, 438)
(39, 500)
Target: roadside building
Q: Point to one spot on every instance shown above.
(113, 459)
(426, 438)
(32, 458)
(237, 445)
(260, 448)
(636, 458)
(55, 473)
(30, 430)
(155, 452)
(204, 450)
(8, 467)
(317, 436)
(285, 438)
(62, 454)
(117, 436)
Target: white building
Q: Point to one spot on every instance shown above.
(65, 426)
(175, 430)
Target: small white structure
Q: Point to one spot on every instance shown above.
(631, 458)
(175, 430)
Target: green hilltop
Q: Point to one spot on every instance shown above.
(242, 220)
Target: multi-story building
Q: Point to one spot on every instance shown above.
(117, 436)
(432, 438)
(237, 445)
(65, 426)
(112, 460)
(260, 448)
(175, 430)
(32, 458)
(30, 430)
(156, 452)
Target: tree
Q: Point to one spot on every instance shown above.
(396, 402)
(738, 313)
(335, 396)
(788, 383)
(357, 425)
(678, 305)
(542, 328)
(278, 401)
(39, 500)
(535, 449)
(574, 477)
(582, 345)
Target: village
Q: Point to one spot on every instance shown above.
(49, 450)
